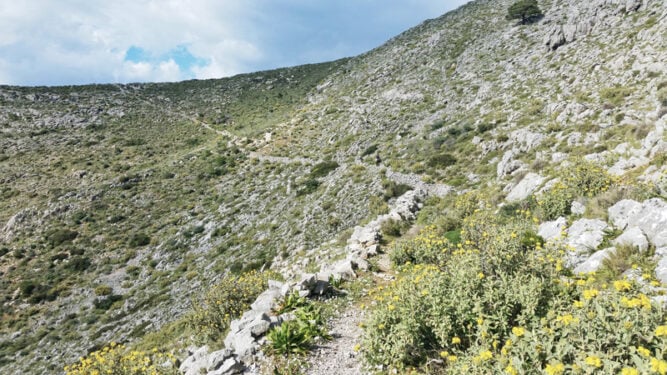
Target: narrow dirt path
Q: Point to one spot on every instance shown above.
(338, 357)
(439, 190)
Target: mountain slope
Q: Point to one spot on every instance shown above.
(156, 190)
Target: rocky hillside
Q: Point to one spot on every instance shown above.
(122, 203)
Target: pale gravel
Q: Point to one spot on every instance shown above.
(337, 357)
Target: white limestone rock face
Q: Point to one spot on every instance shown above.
(577, 208)
(552, 230)
(633, 236)
(586, 234)
(527, 186)
(594, 262)
(622, 212)
(196, 362)
(661, 269)
(649, 216)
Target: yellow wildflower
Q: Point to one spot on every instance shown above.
(659, 366)
(629, 371)
(594, 361)
(456, 340)
(511, 370)
(518, 331)
(622, 285)
(555, 369)
(661, 331)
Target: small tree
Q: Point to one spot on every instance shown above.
(525, 10)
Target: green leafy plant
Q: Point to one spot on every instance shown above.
(524, 10)
(226, 300)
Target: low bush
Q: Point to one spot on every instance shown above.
(118, 360)
(226, 300)
(323, 169)
(498, 302)
(296, 336)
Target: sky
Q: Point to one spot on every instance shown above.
(70, 42)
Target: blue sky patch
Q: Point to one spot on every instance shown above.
(180, 54)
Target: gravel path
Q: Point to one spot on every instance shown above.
(337, 357)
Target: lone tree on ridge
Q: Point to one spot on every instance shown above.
(525, 10)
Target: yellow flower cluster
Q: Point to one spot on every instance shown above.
(116, 359)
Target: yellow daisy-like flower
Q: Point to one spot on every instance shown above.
(622, 285)
(629, 371)
(643, 351)
(555, 369)
(452, 358)
(485, 355)
(456, 340)
(661, 331)
(518, 331)
(511, 370)
(590, 293)
(594, 361)
(659, 366)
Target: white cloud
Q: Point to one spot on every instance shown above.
(84, 41)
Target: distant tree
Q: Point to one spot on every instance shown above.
(525, 10)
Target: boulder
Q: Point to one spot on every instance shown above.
(552, 230)
(623, 212)
(231, 366)
(661, 270)
(586, 234)
(266, 301)
(523, 189)
(649, 216)
(633, 236)
(632, 5)
(577, 208)
(652, 220)
(594, 262)
(216, 359)
(196, 362)
(365, 236)
(555, 38)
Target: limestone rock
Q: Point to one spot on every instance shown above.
(555, 38)
(661, 270)
(586, 234)
(524, 188)
(622, 212)
(649, 216)
(577, 208)
(552, 230)
(594, 262)
(217, 358)
(196, 362)
(229, 367)
(633, 236)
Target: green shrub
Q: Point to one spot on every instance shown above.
(139, 239)
(323, 169)
(393, 189)
(370, 150)
(525, 10)
(59, 236)
(392, 228)
(500, 303)
(296, 336)
(118, 360)
(442, 160)
(103, 290)
(616, 95)
(225, 301)
(307, 187)
(582, 179)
